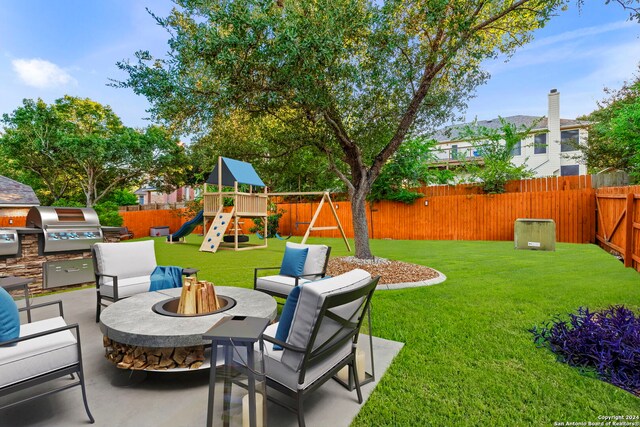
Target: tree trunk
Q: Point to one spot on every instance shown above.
(359, 219)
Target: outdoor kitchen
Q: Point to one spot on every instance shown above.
(54, 248)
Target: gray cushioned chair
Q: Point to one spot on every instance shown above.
(44, 351)
(322, 339)
(315, 267)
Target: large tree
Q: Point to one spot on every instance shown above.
(614, 135)
(362, 74)
(81, 145)
(30, 150)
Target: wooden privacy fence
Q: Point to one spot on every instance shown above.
(458, 217)
(619, 222)
(139, 222)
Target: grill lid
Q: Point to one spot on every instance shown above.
(69, 218)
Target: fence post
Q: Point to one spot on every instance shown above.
(628, 244)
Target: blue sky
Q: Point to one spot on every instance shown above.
(51, 48)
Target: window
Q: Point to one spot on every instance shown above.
(540, 143)
(570, 170)
(141, 200)
(454, 152)
(569, 140)
(517, 149)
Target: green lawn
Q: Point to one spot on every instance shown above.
(468, 358)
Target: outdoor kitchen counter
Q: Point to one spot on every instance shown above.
(132, 321)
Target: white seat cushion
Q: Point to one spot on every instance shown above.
(125, 260)
(286, 376)
(316, 259)
(126, 287)
(279, 284)
(31, 358)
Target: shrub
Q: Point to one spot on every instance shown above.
(108, 214)
(273, 222)
(607, 341)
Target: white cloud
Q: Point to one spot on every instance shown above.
(580, 33)
(40, 73)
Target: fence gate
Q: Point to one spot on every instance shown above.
(617, 227)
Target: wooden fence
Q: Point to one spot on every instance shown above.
(139, 222)
(619, 222)
(446, 213)
(458, 217)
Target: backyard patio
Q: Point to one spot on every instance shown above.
(467, 359)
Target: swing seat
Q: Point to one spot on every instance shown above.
(279, 237)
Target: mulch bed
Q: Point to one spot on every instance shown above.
(389, 271)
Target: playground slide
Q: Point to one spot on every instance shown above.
(187, 227)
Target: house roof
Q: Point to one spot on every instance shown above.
(235, 170)
(142, 191)
(452, 133)
(16, 193)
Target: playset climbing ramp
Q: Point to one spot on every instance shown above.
(213, 238)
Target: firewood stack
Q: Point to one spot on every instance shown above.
(149, 358)
(197, 297)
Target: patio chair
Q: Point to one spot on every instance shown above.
(45, 350)
(279, 285)
(322, 338)
(124, 269)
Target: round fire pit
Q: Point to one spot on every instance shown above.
(169, 307)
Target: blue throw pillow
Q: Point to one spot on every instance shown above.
(9, 317)
(286, 317)
(293, 261)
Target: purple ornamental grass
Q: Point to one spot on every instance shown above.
(607, 341)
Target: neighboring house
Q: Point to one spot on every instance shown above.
(16, 198)
(548, 151)
(147, 195)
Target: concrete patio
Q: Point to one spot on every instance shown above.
(122, 398)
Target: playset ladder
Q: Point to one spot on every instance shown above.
(213, 238)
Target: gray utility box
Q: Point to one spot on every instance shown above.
(70, 272)
(536, 234)
(159, 230)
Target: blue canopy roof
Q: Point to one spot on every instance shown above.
(235, 170)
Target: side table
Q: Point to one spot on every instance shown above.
(231, 333)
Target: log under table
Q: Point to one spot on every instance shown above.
(136, 337)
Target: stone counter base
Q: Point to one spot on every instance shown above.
(133, 357)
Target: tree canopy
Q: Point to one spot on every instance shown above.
(614, 135)
(356, 77)
(78, 145)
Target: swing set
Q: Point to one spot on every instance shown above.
(326, 198)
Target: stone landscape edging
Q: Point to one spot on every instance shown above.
(393, 286)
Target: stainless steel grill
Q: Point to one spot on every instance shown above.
(9, 243)
(65, 229)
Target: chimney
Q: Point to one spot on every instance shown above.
(553, 137)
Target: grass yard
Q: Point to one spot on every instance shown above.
(468, 357)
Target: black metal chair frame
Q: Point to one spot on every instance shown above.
(67, 370)
(349, 331)
(302, 276)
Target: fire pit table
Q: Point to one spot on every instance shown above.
(138, 337)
